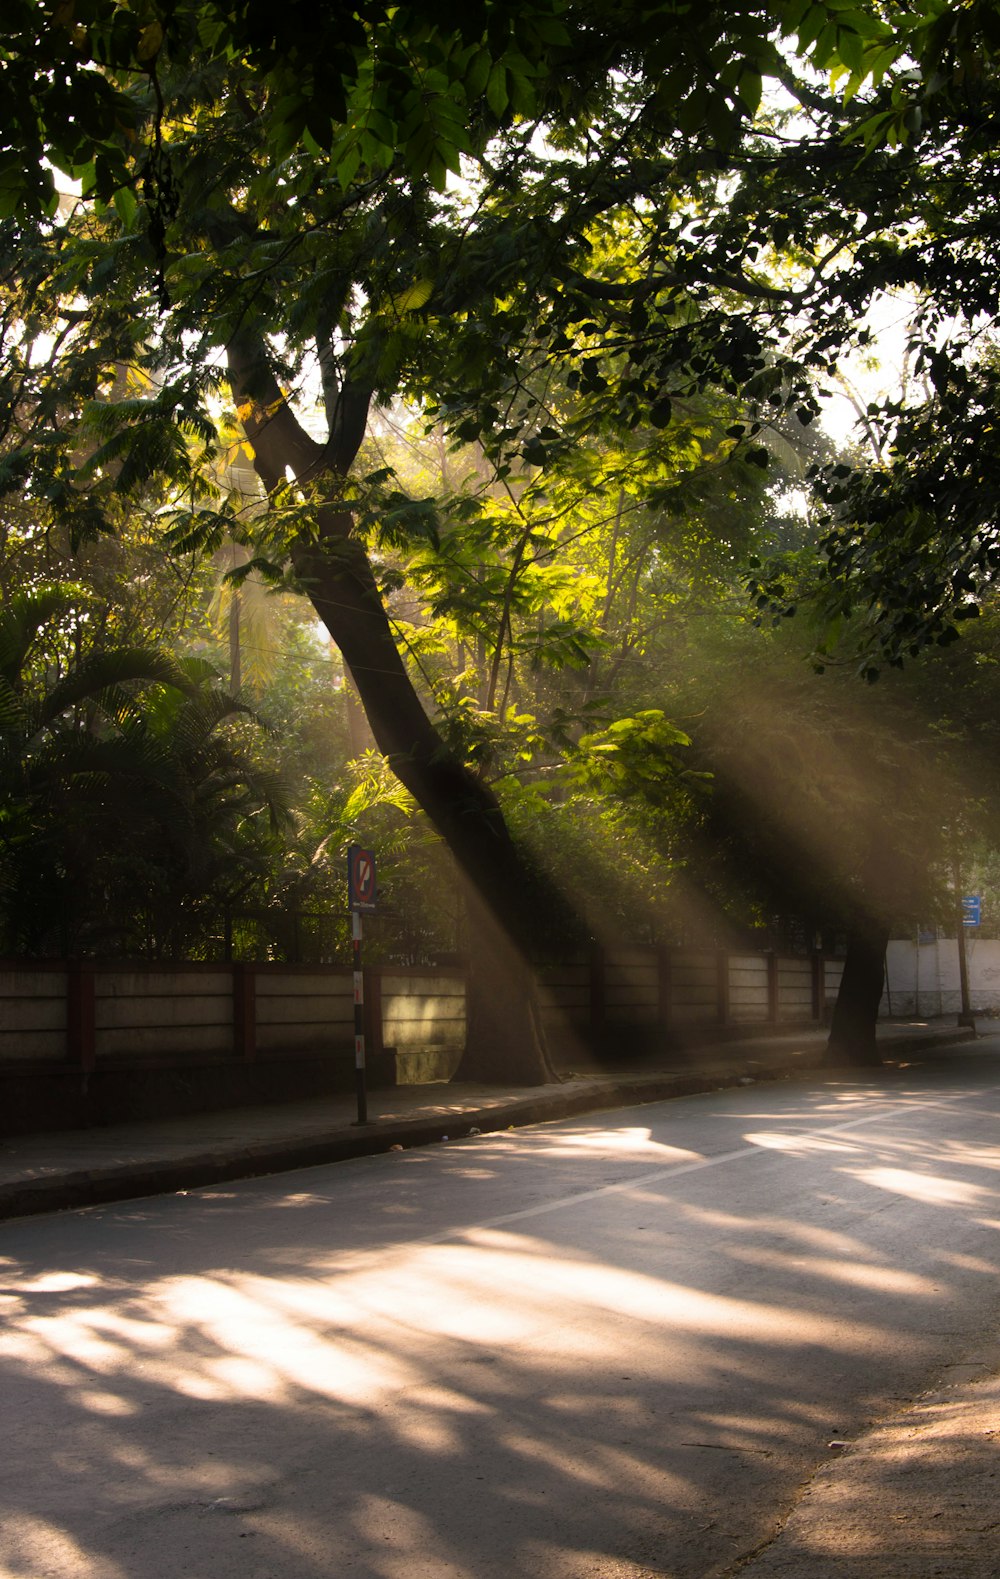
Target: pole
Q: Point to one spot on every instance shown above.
(359, 1019)
(966, 1016)
(916, 976)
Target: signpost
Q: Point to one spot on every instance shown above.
(972, 910)
(362, 893)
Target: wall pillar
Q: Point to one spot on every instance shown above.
(244, 1012)
(772, 987)
(722, 986)
(81, 1023)
(818, 985)
(664, 983)
(372, 986)
(598, 995)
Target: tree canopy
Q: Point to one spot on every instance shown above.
(617, 249)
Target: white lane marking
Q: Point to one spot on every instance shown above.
(348, 1259)
(672, 1170)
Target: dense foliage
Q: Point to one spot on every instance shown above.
(580, 273)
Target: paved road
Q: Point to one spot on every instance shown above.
(607, 1348)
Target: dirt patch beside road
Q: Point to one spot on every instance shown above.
(917, 1497)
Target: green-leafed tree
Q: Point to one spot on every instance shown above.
(130, 812)
(445, 206)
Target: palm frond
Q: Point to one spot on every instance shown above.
(22, 617)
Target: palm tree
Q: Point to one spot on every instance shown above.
(129, 809)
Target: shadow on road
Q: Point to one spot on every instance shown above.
(611, 1348)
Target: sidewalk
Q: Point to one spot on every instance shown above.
(50, 1172)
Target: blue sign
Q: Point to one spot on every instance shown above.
(361, 887)
(972, 910)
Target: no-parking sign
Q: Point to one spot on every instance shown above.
(362, 891)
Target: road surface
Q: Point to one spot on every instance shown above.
(608, 1348)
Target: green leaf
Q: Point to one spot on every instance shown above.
(414, 297)
(346, 165)
(497, 96)
(477, 74)
(750, 88)
(126, 206)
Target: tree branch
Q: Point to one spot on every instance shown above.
(642, 290)
(278, 438)
(347, 424)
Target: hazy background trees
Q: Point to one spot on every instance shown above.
(494, 349)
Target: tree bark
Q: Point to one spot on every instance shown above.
(505, 1037)
(853, 1037)
(359, 736)
(504, 1030)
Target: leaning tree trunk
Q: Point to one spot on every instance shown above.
(505, 1040)
(504, 1030)
(853, 1028)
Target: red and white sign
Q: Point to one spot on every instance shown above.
(362, 891)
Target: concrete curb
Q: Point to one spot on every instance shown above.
(576, 1095)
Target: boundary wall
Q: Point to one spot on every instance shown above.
(922, 979)
(92, 1015)
(687, 993)
(84, 1042)
(101, 1014)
